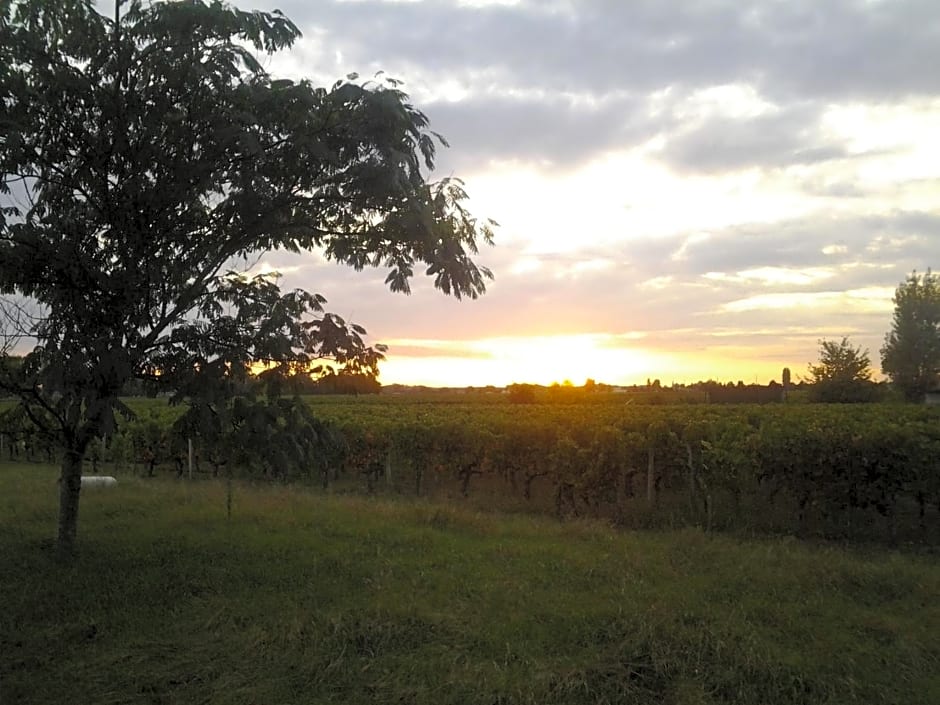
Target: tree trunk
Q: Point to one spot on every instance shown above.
(529, 479)
(70, 485)
(704, 493)
(228, 492)
(466, 472)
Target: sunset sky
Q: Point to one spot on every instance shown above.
(685, 190)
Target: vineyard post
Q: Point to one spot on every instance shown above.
(189, 456)
(228, 491)
(388, 468)
(621, 488)
(692, 479)
(709, 511)
(650, 471)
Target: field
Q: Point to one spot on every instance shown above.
(304, 597)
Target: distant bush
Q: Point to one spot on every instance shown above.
(834, 391)
(521, 393)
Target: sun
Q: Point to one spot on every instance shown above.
(532, 359)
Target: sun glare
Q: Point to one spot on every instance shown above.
(537, 360)
(612, 359)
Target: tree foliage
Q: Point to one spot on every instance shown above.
(911, 353)
(521, 393)
(146, 158)
(843, 373)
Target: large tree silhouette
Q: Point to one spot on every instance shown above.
(142, 156)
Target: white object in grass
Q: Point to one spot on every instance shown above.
(98, 481)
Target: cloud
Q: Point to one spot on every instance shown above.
(551, 130)
(784, 138)
(870, 300)
(560, 81)
(834, 188)
(849, 48)
(770, 276)
(906, 240)
(419, 348)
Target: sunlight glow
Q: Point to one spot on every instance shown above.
(267, 269)
(867, 300)
(775, 275)
(623, 359)
(733, 100)
(538, 360)
(657, 283)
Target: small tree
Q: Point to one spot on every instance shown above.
(843, 373)
(521, 393)
(145, 158)
(911, 353)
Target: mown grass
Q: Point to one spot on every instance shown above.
(305, 598)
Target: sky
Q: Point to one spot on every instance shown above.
(684, 190)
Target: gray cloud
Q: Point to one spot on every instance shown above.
(834, 188)
(903, 239)
(551, 131)
(781, 139)
(849, 48)
(521, 65)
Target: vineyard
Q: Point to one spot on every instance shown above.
(855, 471)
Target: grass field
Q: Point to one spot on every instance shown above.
(307, 598)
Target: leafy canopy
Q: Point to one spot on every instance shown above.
(843, 373)
(147, 156)
(911, 352)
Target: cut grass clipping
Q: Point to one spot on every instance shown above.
(305, 598)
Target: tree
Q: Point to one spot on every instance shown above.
(911, 353)
(145, 160)
(521, 393)
(843, 373)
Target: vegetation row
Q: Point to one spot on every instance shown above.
(860, 472)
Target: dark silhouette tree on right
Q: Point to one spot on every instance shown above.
(911, 353)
